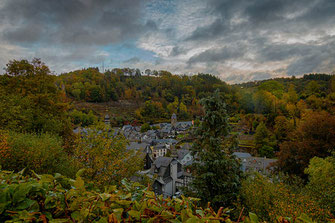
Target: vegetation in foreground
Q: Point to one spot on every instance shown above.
(55, 198)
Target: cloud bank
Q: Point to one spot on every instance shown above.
(237, 40)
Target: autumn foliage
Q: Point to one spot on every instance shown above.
(314, 136)
(272, 199)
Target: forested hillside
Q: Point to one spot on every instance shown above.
(155, 96)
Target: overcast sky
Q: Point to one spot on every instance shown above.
(239, 40)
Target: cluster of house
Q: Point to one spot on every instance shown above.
(167, 163)
(169, 173)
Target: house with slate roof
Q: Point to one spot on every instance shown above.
(137, 146)
(160, 150)
(259, 164)
(182, 127)
(184, 157)
(148, 159)
(169, 173)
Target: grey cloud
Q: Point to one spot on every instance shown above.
(177, 50)
(73, 21)
(216, 55)
(132, 60)
(321, 13)
(259, 76)
(240, 78)
(256, 23)
(262, 15)
(208, 32)
(255, 33)
(235, 78)
(279, 52)
(315, 59)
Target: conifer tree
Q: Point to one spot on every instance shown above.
(217, 173)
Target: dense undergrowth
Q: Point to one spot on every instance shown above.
(47, 198)
(29, 197)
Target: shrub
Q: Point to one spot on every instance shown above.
(321, 183)
(266, 151)
(106, 158)
(42, 153)
(145, 127)
(82, 118)
(270, 199)
(43, 198)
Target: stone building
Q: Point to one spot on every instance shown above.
(174, 120)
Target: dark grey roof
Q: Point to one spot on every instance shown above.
(136, 146)
(189, 163)
(241, 155)
(189, 123)
(163, 141)
(127, 127)
(160, 146)
(162, 161)
(186, 146)
(166, 128)
(182, 153)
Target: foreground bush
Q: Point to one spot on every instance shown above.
(270, 200)
(42, 198)
(321, 185)
(105, 157)
(42, 153)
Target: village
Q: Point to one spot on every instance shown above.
(166, 153)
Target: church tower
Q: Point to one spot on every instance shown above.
(107, 120)
(174, 120)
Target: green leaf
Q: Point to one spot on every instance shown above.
(304, 218)
(47, 178)
(49, 202)
(200, 212)
(59, 221)
(21, 192)
(102, 220)
(22, 171)
(79, 183)
(36, 175)
(118, 213)
(134, 214)
(25, 204)
(253, 217)
(184, 215)
(80, 172)
(3, 206)
(193, 220)
(105, 196)
(76, 216)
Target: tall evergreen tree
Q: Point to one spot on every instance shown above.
(217, 173)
